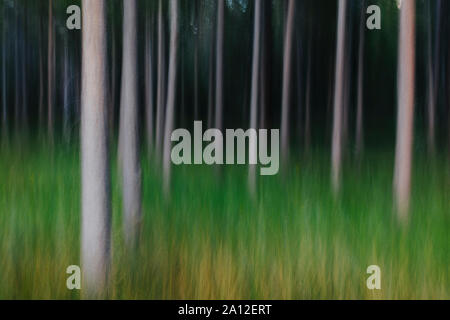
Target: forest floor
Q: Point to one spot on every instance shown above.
(212, 241)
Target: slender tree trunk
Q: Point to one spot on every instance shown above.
(266, 63)
(50, 66)
(253, 148)
(405, 116)
(288, 38)
(41, 77)
(196, 44)
(171, 93)
(112, 112)
(359, 144)
(211, 81)
(431, 92)
(149, 88)
(24, 115)
(336, 149)
(160, 89)
(17, 79)
(308, 98)
(66, 119)
(219, 64)
(96, 209)
(4, 86)
(131, 170)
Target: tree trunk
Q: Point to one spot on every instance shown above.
(211, 81)
(253, 148)
(219, 64)
(149, 88)
(50, 68)
(405, 101)
(4, 86)
(196, 43)
(286, 80)
(359, 144)
(24, 115)
(66, 119)
(160, 89)
(41, 77)
(96, 210)
(131, 171)
(307, 136)
(336, 149)
(17, 79)
(431, 102)
(171, 94)
(113, 94)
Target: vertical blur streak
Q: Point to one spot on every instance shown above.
(50, 63)
(4, 99)
(96, 212)
(129, 148)
(336, 149)
(430, 82)
(219, 64)
(405, 105)
(171, 93)
(286, 80)
(253, 148)
(159, 98)
(360, 99)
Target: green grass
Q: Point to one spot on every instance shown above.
(212, 241)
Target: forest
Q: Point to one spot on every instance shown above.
(358, 90)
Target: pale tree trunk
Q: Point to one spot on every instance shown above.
(286, 93)
(336, 149)
(171, 94)
(96, 210)
(405, 105)
(431, 91)
(50, 67)
(219, 65)
(253, 148)
(149, 88)
(16, 79)
(160, 89)
(359, 143)
(131, 170)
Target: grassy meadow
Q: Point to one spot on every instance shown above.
(211, 241)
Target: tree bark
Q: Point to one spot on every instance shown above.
(131, 170)
(307, 137)
(171, 94)
(359, 144)
(50, 68)
(405, 116)
(336, 149)
(431, 99)
(219, 64)
(96, 210)
(4, 85)
(253, 148)
(149, 88)
(160, 89)
(286, 80)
